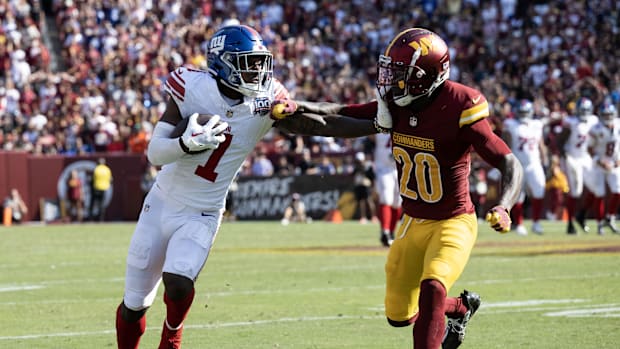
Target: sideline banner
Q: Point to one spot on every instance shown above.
(265, 198)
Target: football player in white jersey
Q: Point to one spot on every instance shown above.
(182, 213)
(605, 147)
(524, 135)
(386, 186)
(573, 144)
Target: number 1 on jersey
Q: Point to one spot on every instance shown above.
(208, 170)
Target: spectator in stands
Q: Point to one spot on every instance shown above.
(261, 166)
(555, 51)
(283, 166)
(15, 208)
(306, 165)
(101, 183)
(326, 166)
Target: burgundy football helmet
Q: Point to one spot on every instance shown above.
(415, 63)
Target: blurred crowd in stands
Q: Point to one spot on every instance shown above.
(83, 76)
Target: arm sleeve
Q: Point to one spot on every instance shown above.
(162, 149)
(366, 111)
(487, 144)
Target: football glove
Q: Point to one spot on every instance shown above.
(499, 219)
(282, 108)
(384, 118)
(197, 138)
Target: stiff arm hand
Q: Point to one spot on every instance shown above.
(284, 108)
(499, 219)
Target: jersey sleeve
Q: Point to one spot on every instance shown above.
(176, 86)
(475, 108)
(487, 144)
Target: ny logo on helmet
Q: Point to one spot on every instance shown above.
(217, 44)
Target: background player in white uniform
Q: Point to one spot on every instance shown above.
(181, 215)
(524, 135)
(386, 186)
(605, 146)
(577, 162)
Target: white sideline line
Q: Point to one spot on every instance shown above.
(207, 294)
(598, 310)
(532, 302)
(205, 326)
(227, 293)
(20, 288)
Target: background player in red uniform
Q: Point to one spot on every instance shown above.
(434, 124)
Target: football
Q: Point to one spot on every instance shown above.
(182, 125)
(277, 111)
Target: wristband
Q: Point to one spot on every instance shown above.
(379, 128)
(183, 146)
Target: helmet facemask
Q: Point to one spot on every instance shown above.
(525, 110)
(250, 71)
(608, 114)
(585, 108)
(408, 82)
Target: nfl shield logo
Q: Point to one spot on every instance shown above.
(413, 121)
(229, 113)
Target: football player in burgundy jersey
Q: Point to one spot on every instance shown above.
(434, 124)
(182, 213)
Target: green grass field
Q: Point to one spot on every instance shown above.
(307, 286)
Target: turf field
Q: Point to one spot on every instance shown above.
(307, 286)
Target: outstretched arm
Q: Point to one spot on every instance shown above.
(335, 126)
(326, 119)
(321, 108)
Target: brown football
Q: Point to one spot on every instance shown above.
(182, 125)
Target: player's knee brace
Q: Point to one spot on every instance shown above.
(395, 323)
(177, 286)
(132, 315)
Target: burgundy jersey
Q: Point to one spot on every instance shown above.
(432, 149)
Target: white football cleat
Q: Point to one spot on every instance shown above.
(521, 230)
(537, 228)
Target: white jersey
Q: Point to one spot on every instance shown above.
(386, 174)
(525, 138)
(605, 141)
(576, 145)
(202, 180)
(383, 157)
